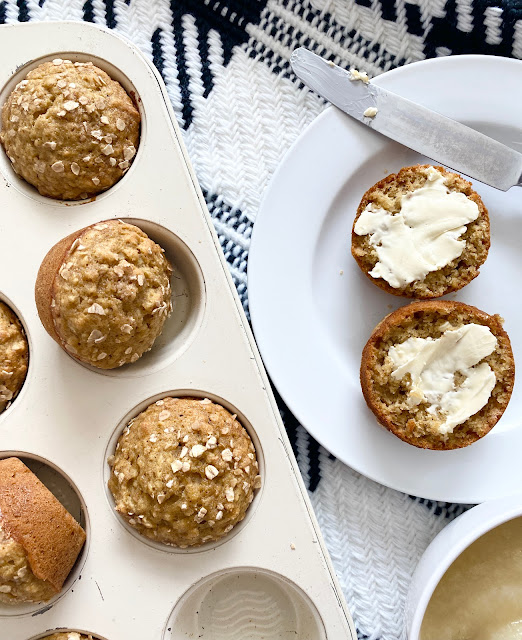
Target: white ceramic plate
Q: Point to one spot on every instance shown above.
(313, 309)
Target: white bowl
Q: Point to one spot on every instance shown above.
(446, 548)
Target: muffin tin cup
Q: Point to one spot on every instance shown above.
(244, 602)
(72, 414)
(189, 304)
(111, 447)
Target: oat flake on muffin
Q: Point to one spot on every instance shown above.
(69, 129)
(103, 293)
(184, 472)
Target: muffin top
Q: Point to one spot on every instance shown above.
(69, 129)
(438, 374)
(111, 295)
(421, 233)
(14, 355)
(184, 472)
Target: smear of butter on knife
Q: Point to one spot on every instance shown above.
(355, 74)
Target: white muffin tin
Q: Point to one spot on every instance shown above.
(271, 576)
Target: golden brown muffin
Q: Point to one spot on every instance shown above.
(395, 395)
(14, 355)
(69, 129)
(39, 540)
(184, 472)
(69, 635)
(471, 245)
(103, 293)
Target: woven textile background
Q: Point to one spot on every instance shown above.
(225, 63)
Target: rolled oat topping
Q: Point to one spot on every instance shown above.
(181, 498)
(101, 312)
(68, 127)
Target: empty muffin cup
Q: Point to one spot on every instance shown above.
(245, 602)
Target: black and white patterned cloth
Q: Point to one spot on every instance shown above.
(225, 64)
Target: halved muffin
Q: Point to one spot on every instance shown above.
(438, 374)
(421, 233)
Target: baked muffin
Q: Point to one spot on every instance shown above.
(39, 539)
(69, 635)
(184, 472)
(14, 355)
(69, 129)
(421, 233)
(438, 374)
(103, 293)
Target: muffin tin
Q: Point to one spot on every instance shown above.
(271, 576)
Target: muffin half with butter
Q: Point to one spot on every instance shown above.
(421, 233)
(103, 293)
(438, 374)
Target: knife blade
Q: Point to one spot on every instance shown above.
(440, 138)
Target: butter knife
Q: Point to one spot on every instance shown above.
(440, 138)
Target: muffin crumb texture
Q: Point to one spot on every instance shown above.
(17, 580)
(184, 472)
(111, 295)
(393, 208)
(14, 356)
(69, 129)
(390, 397)
(39, 539)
